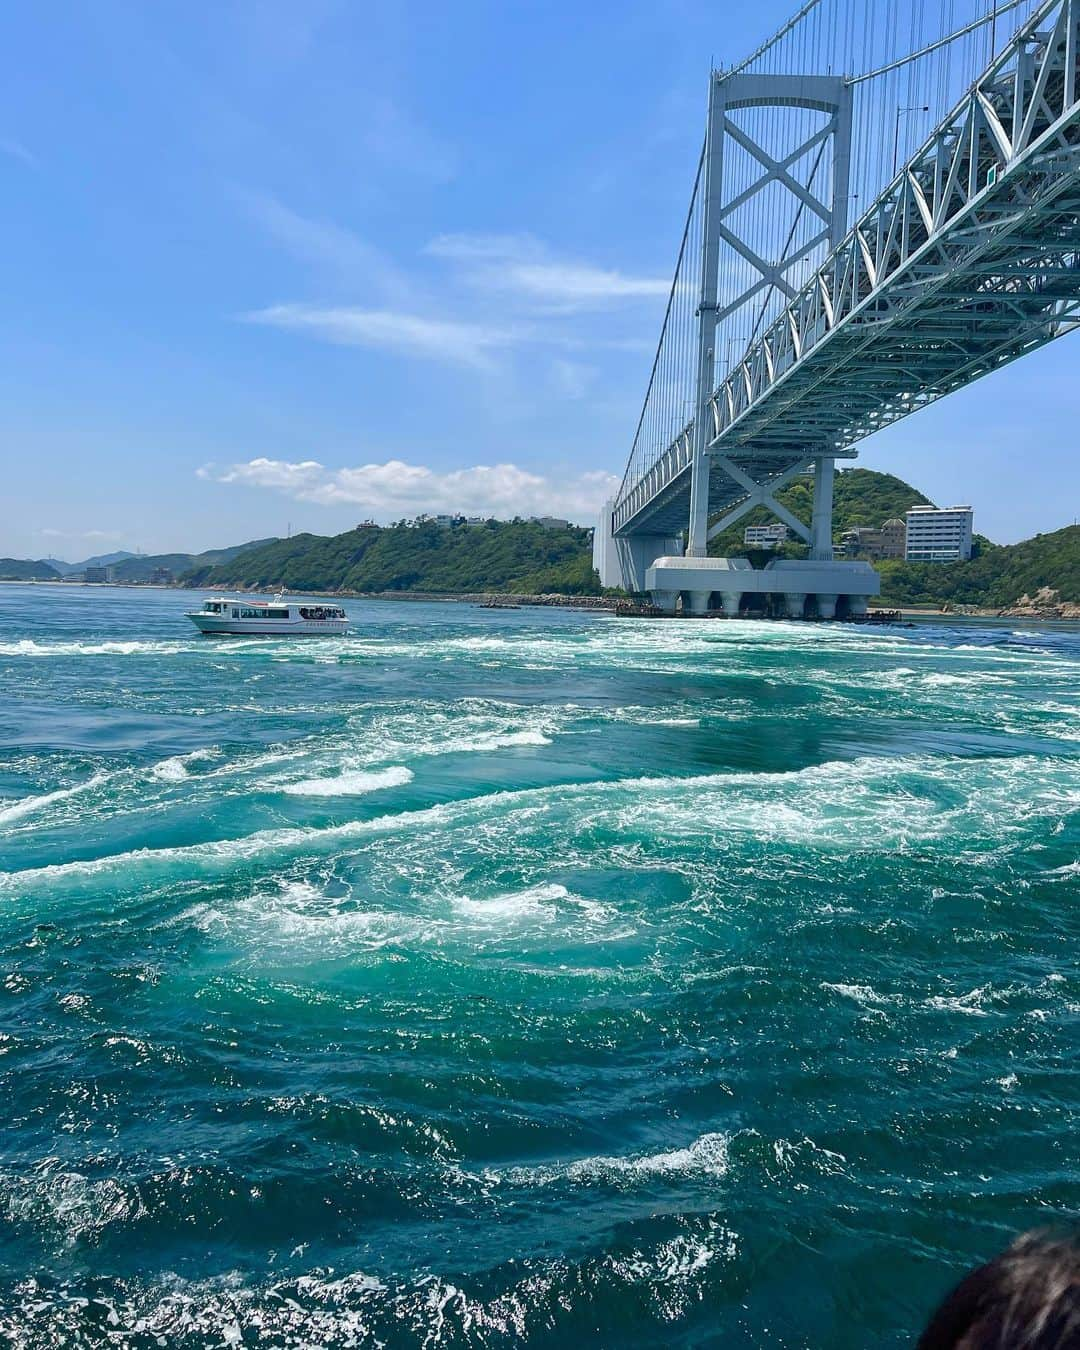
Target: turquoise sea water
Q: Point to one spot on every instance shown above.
(492, 977)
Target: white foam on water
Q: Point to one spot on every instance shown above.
(330, 1308)
(251, 763)
(27, 805)
(707, 1156)
(378, 739)
(172, 770)
(869, 804)
(1066, 870)
(940, 679)
(647, 717)
(431, 730)
(496, 741)
(226, 851)
(297, 914)
(862, 994)
(672, 1270)
(970, 1003)
(349, 783)
(175, 768)
(74, 1205)
(30, 647)
(537, 901)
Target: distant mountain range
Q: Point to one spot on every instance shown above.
(126, 567)
(98, 560)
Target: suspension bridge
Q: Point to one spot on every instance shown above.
(886, 208)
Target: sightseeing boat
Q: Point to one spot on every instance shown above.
(222, 616)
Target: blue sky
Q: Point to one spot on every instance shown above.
(277, 263)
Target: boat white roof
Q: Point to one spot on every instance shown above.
(243, 600)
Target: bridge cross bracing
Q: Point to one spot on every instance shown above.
(790, 336)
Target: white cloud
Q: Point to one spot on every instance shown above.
(100, 535)
(485, 247)
(396, 137)
(331, 248)
(450, 340)
(17, 150)
(580, 284)
(523, 265)
(395, 488)
(571, 379)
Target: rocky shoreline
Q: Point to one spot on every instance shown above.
(1046, 603)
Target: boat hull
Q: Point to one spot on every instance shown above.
(221, 625)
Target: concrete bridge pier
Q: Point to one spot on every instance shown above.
(665, 600)
(699, 602)
(731, 601)
(794, 603)
(826, 606)
(857, 605)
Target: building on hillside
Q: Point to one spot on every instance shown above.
(765, 536)
(893, 538)
(939, 534)
(862, 541)
(161, 576)
(859, 539)
(550, 522)
(98, 574)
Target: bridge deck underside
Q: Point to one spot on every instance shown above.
(935, 288)
(936, 328)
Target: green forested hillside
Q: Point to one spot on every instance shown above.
(418, 556)
(523, 557)
(999, 576)
(20, 569)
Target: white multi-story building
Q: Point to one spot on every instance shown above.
(765, 536)
(938, 534)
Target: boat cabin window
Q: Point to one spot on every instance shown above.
(213, 607)
(321, 612)
(278, 613)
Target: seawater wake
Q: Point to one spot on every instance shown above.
(871, 803)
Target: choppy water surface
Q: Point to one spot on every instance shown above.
(490, 977)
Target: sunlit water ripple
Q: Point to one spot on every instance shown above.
(493, 976)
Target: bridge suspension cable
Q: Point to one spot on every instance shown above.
(905, 67)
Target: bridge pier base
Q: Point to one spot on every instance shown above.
(787, 580)
(623, 561)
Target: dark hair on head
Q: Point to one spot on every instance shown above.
(1028, 1298)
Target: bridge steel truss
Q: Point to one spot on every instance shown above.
(967, 260)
